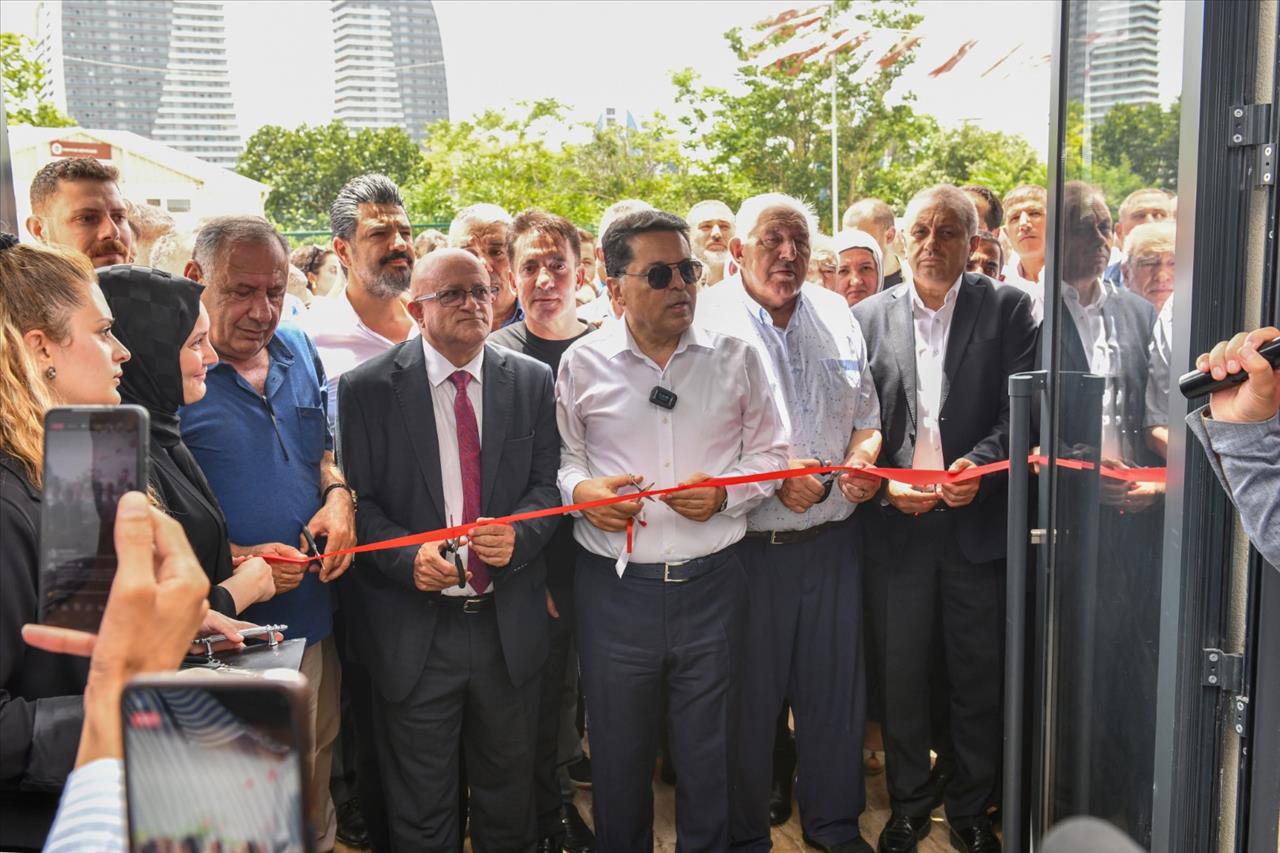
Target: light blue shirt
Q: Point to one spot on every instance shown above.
(91, 812)
(817, 368)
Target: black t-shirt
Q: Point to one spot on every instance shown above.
(892, 279)
(561, 551)
(518, 337)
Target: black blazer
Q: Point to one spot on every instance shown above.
(1132, 320)
(391, 458)
(992, 336)
(41, 694)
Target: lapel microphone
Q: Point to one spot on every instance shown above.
(663, 397)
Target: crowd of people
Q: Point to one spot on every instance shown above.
(390, 383)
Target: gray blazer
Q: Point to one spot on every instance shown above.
(391, 457)
(992, 336)
(1246, 458)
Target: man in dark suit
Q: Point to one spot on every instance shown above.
(941, 350)
(438, 431)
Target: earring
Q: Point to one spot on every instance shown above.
(51, 373)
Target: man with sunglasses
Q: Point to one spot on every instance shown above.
(656, 400)
(438, 431)
(802, 552)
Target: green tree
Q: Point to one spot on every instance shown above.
(1143, 137)
(776, 133)
(1083, 161)
(307, 166)
(24, 83)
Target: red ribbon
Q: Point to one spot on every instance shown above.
(910, 476)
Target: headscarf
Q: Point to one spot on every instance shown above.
(852, 238)
(154, 315)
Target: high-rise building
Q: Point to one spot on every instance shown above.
(388, 64)
(157, 68)
(1118, 42)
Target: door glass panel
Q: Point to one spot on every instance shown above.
(1115, 276)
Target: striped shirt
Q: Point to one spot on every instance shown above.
(91, 814)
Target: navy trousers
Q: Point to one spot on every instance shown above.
(634, 635)
(803, 645)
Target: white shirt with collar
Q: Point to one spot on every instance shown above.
(1013, 277)
(724, 423)
(933, 329)
(1101, 343)
(819, 370)
(443, 394)
(342, 339)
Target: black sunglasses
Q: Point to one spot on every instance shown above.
(659, 276)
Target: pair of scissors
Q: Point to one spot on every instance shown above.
(451, 548)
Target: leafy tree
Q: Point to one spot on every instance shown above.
(1084, 161)
(306, 167)
(1143, 136)
(776, 134)
(24, 83)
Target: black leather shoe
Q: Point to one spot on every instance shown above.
(550, 844)
(978, 837)
(780, 801)
(901, 833)
(352, 830)
(578, 837)
(858, 846)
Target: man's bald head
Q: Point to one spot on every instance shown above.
(432, 270)
(874, 217)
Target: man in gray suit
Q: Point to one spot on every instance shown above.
(941, 349)
(439, 431)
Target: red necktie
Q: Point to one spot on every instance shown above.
(469, 462)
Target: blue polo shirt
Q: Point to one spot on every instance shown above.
(261, 454)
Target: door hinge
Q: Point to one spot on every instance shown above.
(1266, 166)
(1240, 715)
(1250, 125)
(1223, 671)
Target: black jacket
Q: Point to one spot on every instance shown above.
(391, 458)
(41, 705)
(992, 336)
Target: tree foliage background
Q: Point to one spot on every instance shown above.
(23, 81)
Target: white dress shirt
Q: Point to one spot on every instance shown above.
(1098, 336)
(91, 811)
(1013, 277)
(443, 393)
(818, 368)
(933, 328)
(724, 423)
(342, 339)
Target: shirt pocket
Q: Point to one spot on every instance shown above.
(311, 433)
(842, 373)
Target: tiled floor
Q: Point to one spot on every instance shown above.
(786, 838)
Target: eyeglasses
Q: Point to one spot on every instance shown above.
(659, 276)
(454, 296)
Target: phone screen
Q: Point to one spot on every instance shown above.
(92, 456)
(213, 768)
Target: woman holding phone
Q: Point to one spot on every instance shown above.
(56, 347)
(161, 320)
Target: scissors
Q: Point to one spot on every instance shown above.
(827, 480)
(313, 549)
(450, 548)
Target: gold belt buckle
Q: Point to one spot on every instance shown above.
(666, 573)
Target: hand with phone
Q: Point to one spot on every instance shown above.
(155, 606)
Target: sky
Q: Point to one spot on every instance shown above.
(620, 53)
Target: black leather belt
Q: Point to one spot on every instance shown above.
(685, 570)
(793, 537)
(466, 603)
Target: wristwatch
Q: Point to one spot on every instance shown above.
(324, 496)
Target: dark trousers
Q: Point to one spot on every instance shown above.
(633, 635)
(547, 790)
(356, 754)
(918, 582)
(803, 645)
(464, 694)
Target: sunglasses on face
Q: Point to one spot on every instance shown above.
(454, 296)
(659, 276)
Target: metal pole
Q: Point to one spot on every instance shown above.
(835, 156)
(1022, 388)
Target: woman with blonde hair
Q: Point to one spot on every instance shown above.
(56, 348)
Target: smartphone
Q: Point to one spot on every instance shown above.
(216, 762)
(92, 456)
